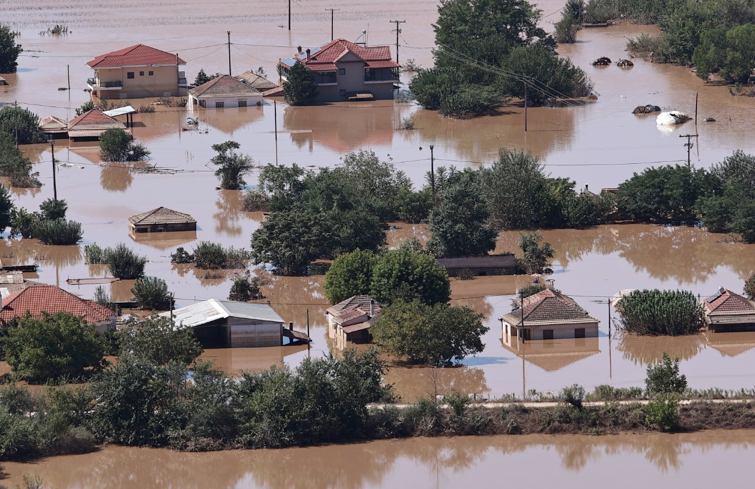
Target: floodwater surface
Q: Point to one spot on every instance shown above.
(598, 144)
(712, 458)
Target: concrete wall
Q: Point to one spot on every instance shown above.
(210, 102)
(560, 331)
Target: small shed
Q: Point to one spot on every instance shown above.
(235, 324)
(547, 315)
(224, 92)
(91, 125)
(161, 220)
(350, 320)
(480, 265)
(727, 311)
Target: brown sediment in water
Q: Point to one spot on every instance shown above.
(571, 461)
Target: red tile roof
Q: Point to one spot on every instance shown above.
(139, 55)
(37, 299)
(161, 215)
(353, 308)
(549, 307)
(727, 301)
(327, 55)
(94, 119)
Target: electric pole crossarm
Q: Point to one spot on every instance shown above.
(398, 31)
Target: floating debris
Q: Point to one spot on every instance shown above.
(709, 119)
(672, 118)
(624, 63)
(646, 109)
(603, 61)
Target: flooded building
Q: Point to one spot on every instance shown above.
(347, 71)
(91, 125)
(547, 315)
(479, 266)
(256, 81)
(350, 320)
(136, 72)
(54, 127)
(727, 311)
(224, 92)
(37, 299)
(235, 324)
(161, 220)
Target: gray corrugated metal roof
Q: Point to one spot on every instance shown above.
(211, 310)
(249, 310)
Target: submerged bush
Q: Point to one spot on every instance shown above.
(213, 256)
(664, 377)
(152, 293)
(124, 263)
(660, 312)
(58, 232)
(245, 289)
(255, 200)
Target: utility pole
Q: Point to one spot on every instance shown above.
(697, 95)
(68, 70)
(54, 181)
(275, 121)
(331, 20)
(432, 168)
(289, 15)
(398, 31)
(525, 106)
(689, 144)
(229, 53)
(15, 112)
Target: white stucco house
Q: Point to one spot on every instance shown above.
(224, 92)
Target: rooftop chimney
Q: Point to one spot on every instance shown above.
(307, 53)
(587, 188)
(290, 326)
(298, 49)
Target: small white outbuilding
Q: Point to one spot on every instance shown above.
(224, 92)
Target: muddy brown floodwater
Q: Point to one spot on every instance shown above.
(712, 458)
(599, 144)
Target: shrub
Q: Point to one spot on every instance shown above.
(232, 166)
(152, 293)
(52, 347)
(535, 255)
(157, 341)
(213, 256)
(255, 200)
(20, 121)
(656, 312)
(53, 209)
(102, 298)
(662, 412)
(300, 87)
(58, 232)
(574, 396)
(749, 289)
(566, 28)
(95, 255)
(245, 289)
(118, 145)
(124, 263)
(18, 437)
(181, 256)
(664, 378)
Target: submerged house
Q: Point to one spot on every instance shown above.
(256, 81)
(347, 71)
(350, 320)
(479, 266)
(37, 299)
(547, 315)
(224, 92)
(53, 127)
(235, 324)
(136, 72)
(161, 220)
(727, 311)
(91, 125)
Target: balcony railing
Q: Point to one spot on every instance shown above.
(381, 75)
(108, 84)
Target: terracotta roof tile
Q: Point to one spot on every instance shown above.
(224, 85)
(354, 307)
(94, 119)
(37, 299)
(548, 306)
(161, 215)
(138, 55)
(727, 301)
(325, 57)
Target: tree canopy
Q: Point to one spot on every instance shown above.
(436, 335)
(408, 275)
(22, 123)
(232, 166)
(728, 52)
(118, 145)
(9, 50)
(349, 275)
(300, 88)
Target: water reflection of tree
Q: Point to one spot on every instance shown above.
(646, 350)
(229, 212)
(292, 297)
(412, 383)
(115, 177)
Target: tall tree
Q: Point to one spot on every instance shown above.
(300, 87)
(232, 166)
(536, 256)
(9, 50)
(409, 275)
(22, 123)
(350, 274)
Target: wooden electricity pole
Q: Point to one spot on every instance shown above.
(54, 181)
(331, 20)
(398, 31)
(229, 53)
(689, 144)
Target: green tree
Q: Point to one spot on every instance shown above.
(152, 293)
(9, 50)
(203, 77)
(124, 263)
(157, 341)
(661, 312)
(459, 224)
(284, 184)
(536, 256)
(6, 208)
(246, 288)
(749, 289)
(21, 124)
(409, 275)
(349, 275)
(52, 347)
(232, 166)
(14, 165)
(729, 52)
(300, 88)
(118, 145)
(744, 221)
(290, 241)
(664, 377)
(53, 209)
(437, 335)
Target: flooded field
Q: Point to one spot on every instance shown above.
(599, 144)
(629, 461)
